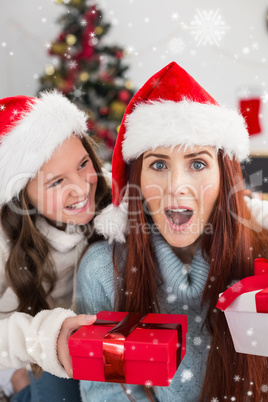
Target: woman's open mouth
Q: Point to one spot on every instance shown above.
(179, 216)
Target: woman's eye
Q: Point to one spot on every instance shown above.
(83, 164)
(56, 183)
(198, 165)
(159, 165)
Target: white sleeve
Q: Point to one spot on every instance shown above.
(25, 339)
(5, 381)
(259, 209)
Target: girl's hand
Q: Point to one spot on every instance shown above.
(69, 326)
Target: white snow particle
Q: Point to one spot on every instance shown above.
(264, 388)
(174, 16)
(171, 298)
(197, 341)
(176, 45)
(250, 332)
(207, 27)
(186, 375)
(148, 383)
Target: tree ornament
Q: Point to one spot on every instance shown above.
(71, 39)
(59, 48)
(49, 69)
(98, 30)
(124, 96)
(117, 109)
(84, 76)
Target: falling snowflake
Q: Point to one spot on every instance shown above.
(78, 93)
(244, 92)
(265, 97)
(174, 16)
(176, 45)
(264, 388)
(130, 49)
(83, 22)
(246, 50)
(134, 269)
(236, 286)
(148, 383)
(2, 107)
(171, 298)
(197, 341)
(214, 400)
(48, 45)
(248, 160)
(255, 46)
(250, 331)
(237, 378)
(208, 27)
(72, 64)
(254, 343)
(250, 393)
(186, 375)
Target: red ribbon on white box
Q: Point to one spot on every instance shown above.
(249, 284)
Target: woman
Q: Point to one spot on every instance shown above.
(188, 235)
(51, 186)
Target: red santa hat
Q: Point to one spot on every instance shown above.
(30, 130)
(170, 109)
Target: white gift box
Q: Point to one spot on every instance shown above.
(249, 329)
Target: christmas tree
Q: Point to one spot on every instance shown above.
(90, 74)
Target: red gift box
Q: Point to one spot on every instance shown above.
(129, 348)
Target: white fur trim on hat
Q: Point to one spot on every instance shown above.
(27, 146)
(112, 222)
(167, 123)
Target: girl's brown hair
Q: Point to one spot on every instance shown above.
(29, 269)
(236, 241)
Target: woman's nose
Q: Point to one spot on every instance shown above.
(178, 183)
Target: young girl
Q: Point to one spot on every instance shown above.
(51, 184)
(178, 197)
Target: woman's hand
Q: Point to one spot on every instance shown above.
(69, 326)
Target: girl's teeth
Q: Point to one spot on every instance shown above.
(78, 205)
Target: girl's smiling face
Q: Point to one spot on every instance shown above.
(64, 188)
(180, 188)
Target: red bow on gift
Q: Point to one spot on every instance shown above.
(249, 284)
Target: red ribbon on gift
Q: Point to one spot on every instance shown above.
(249, 284)
(114, 343)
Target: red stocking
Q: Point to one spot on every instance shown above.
(250, 109)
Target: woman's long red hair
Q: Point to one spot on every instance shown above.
(236, 241)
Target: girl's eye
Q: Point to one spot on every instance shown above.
(198, 165)
(159, 165)
(56, 183)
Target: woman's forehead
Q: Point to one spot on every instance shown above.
(183, 149)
